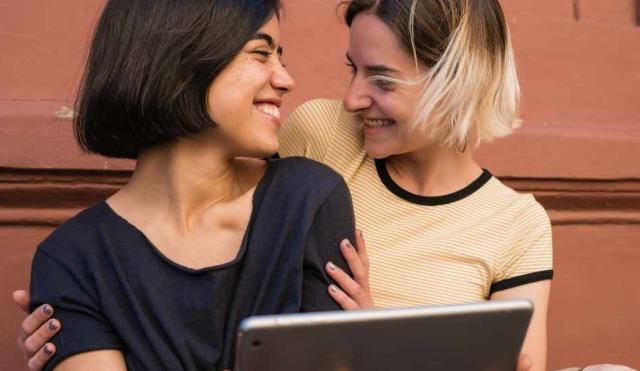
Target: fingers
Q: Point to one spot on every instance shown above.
(41, 358)
(32, 323)
(35, 343)
(361, 246)
(352, 293)
(21, 298)
(359, 271)
(524, 362)
(342, 299)
(348, 293)
(346, 283)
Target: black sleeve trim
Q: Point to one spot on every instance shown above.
(521, 280)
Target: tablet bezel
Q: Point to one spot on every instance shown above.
(510, 320)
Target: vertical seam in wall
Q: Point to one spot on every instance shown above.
(576, 9)
(637, 12)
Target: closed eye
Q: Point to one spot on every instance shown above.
(267, 54)
(263, 53)
(384, 85)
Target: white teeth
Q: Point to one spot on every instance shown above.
(269, 109)
(377, 123)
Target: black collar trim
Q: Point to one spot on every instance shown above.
(394, 188)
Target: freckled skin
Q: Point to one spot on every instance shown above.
(232, 96)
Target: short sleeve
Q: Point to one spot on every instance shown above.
(333, 222)
(308, 130)
(66, 288)
(529, 258)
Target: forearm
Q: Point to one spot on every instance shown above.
(99, 360)
(535, 342)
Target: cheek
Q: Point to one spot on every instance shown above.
(396, 108)
(221, 108)
(229, 102)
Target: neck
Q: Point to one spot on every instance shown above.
(434, 170)
(183, 179)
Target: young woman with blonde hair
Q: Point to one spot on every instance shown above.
(432, 79)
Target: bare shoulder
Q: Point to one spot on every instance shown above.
(319, 106)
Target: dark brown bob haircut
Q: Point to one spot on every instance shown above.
(150, 67)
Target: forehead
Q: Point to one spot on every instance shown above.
(271, 28)
(370, 37)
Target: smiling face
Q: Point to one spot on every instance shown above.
(244, 100)
(385, 108)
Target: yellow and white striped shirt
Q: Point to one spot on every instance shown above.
(426, 250)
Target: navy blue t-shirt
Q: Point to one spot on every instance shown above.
(112, 289)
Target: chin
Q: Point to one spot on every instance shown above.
(377, 153)
(272, 150)
(377, 150)
(266, 150)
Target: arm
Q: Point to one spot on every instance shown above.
(526, 273)
(332, 223)
(99, 360)
(65, 283)
(38, 351)
(535, 342)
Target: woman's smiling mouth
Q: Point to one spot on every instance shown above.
(377, 123)
(269, 109)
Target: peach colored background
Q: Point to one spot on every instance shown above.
(579, 150)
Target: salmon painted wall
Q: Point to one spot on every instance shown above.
(578, 151)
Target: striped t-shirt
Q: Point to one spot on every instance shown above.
(447, 249)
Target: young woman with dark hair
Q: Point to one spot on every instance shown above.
(205, 226)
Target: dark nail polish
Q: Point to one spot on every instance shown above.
(47, 309)
(52, 326)
(47, 351)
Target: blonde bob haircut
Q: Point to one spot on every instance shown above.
(470, 90)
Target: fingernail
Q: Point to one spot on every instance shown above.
(331, 266)
(52, 325)
(47, 351)
(47, 309)
(360, 233)
(333, 289)
(348, 245)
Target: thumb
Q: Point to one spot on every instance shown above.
(21, 298)
(524, 363)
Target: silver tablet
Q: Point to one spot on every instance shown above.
(478, 336)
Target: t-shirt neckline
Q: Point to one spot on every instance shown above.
(394, 188)
(257, 197)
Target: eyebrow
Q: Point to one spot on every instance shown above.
(376, 69)
(269, 40)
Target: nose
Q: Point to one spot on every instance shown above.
(281, 80)
(358, 97)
